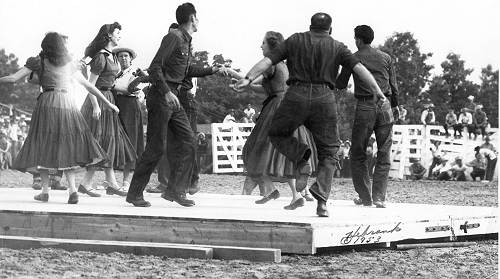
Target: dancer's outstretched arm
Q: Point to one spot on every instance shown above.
(94, 91)
(256, 85)
(23, 72)
(256, 71)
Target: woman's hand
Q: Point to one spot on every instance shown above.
(114, 108)
(96, 113)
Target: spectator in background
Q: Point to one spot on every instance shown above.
(451, 121)
(417, 171)
(340, 154)
(488, 145)
(22, 122)
(5, 155)
(478, 166)
(402, 116)
(249, 113)
(437, 155)
(12, 133)
(346, 160)
(458, 170)
(470, 106)
(229, 117)
(442, 171)
(371, 156)
(480, 121)
(465, 120)
(428, 117)
(491, 161)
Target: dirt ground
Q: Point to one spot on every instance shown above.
(479, 261)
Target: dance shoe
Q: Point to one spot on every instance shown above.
(56, 185)
(138, 202)
(359, 201)
(272, 196)
(294, 205)
(73, 198)
(43, 197)
(178, 198)
(322, 210)
(37, 185)
(379, 204)
(158, 189)
(110, 190)
(308, 197)
(91, 193)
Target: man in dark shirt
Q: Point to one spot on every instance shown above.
(168, 70)
(371, 115)
(188, 103)
(313, 60)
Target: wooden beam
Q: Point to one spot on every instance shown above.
(102, 246)
(172, 250)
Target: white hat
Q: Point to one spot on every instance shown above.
(470, 97)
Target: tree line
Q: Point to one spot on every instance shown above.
(416, 86)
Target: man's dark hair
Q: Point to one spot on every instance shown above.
(364, 33)
(183, 13)
(321, 21)
(173, 26)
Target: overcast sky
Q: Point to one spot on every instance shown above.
(235, 28)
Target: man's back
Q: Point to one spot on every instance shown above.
(313, 57)
(379, 65)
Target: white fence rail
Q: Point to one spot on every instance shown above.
(227, 146)
(409, 141)
(414, 141)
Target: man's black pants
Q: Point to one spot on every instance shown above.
(313, 106)
(162, 120)
(189, 105)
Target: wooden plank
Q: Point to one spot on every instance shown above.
(169, 230)
(172, 250)
(102, 246)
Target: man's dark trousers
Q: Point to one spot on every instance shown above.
(371, 117)
(311, 105)
(161, 121)
(188, 103)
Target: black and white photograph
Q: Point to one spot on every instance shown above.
(249, 139)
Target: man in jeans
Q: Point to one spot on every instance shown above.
(372, 115)
(168, 70)
(313, 60)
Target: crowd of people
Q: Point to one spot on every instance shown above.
(13, 130)
(471, 120)
(445, 168)
(295, 135)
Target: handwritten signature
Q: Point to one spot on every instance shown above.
(363, 235)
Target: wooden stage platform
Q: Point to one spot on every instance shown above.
(235, 221)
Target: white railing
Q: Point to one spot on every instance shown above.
(409, 141)
(228, 140)
(414, 141)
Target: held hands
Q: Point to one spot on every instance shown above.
(242, 83)
(172, 101)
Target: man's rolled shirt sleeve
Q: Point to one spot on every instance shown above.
(167, 47)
